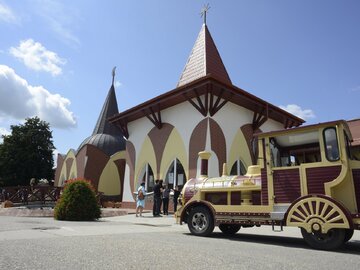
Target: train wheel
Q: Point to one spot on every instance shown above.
(229, 229)
(333, 239)
(317, 214)
(348, 234)
(200, 221)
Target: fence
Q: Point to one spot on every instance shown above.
(26, 194)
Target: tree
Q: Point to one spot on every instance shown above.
(27, 153)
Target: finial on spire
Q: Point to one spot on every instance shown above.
(203, 12)
(113, 75)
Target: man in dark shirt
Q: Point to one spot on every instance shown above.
(157, 199)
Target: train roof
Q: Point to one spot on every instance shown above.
(305, 128)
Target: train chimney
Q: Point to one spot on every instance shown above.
(204, 156)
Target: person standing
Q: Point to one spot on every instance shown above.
(157, 199)
(140, 199)
(176, 196)
(165, 200)
(161, 194)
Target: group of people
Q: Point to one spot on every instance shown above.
(161, 198)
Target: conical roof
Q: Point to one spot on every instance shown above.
(204, 60)
(109, 109)
(107, 136)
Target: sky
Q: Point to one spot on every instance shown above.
(56, 57)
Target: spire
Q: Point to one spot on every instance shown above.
(204, 60)
(109, 109)
(204, 11)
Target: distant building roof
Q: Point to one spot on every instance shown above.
(109, 144)
(354, 126)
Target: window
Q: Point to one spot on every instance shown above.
(238, 168)
(147, 176)
(331, 144)
(295, 149)
(349, 149)
(175, 175)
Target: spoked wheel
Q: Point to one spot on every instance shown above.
(333, 239)
(229, 229)
(348, 234)
(315, 213)
(200, 221)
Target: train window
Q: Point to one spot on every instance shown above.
(331, 144)
(295, 149)
(349, 150)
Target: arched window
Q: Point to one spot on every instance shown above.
(147, 176)
(238, 168)
(175, 175)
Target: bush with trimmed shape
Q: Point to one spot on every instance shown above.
(77, 202)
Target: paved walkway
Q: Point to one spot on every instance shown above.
(48, 211)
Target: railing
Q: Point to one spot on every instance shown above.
(43, 194)
(26, 194)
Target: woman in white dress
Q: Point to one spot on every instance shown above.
(140, 199)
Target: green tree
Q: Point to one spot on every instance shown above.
(26, 153)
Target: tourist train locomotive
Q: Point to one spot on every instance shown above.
(305, 177)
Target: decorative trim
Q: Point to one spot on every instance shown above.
(260, 118)
(214, 108)
(124, 129)
(200, 106)
(154, 116)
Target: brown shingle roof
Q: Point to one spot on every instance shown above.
(203, 60)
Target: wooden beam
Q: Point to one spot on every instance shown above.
(215, 107)
(260, 118)
(124, 129)
(154, 116)
(200, 106)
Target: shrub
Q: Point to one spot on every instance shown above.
(77, 202)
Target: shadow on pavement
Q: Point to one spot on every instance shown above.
(352, 247)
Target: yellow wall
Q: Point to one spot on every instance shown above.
(174, 148)
(110, 182)
(239, 150)
(73, 169)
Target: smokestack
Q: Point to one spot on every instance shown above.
(204, 156)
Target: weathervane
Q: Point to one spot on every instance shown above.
(113, 74)
(203, 12)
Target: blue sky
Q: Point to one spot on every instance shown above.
(56, 57)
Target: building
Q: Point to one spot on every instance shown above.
(204, 112)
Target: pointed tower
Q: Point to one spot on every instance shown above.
(109, 109)
(204, 59)
(107, 136)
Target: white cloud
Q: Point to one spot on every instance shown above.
(55, 155)
(35, 56)
(20, 100)
(298, 111)
(118, 84)
(7, 15)
(3, 131)
(355, 89)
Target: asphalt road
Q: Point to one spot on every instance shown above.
(128, 242)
